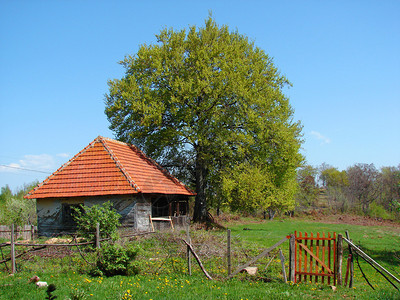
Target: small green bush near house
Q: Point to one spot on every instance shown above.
(113, 259)
(87, 218)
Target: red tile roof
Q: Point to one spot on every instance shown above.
(108, 167)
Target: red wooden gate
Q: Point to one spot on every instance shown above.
(315, 256)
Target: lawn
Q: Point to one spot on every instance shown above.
(164, 273)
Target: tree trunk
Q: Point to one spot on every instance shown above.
(200, 205)
(271, 213)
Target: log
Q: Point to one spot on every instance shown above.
(370, 260)
(198, 259)
(24, 252)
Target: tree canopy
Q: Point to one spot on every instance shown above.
(200, 102)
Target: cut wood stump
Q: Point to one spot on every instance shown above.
(250, 270)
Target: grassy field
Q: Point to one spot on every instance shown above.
(164, 273)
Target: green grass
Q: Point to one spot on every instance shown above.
(164, 274)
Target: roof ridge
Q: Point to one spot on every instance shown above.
(118, 163)
(91, 144)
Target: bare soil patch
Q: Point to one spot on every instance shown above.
(330, 218)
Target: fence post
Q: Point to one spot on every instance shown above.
(292, 263)
(13, 269)
(98, 236)
(228, 251)
(32, 232)
(283, 265)
(339, 260)
(189, 260)
(351, 262)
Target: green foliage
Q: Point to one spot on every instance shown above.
(378, 211)
(14, 209)
(87, 218)
(78, 295)
(250, 188)
(200, 101)
(308, 189)
(116, 260)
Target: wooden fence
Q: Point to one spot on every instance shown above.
(26, 232)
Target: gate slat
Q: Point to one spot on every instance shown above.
(311, 260)
(323, 256)
(317, 253)
(300, 258)
(305, 257)
(329, 255)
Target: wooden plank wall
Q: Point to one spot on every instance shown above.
(24, 232)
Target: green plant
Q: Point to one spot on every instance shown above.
(115, 260)
(378, 211)
(88, 217)
(78, 295)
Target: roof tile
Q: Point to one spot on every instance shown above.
(108, 167)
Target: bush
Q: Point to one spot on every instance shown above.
(87, 218)
(115, 260)
(378, 211)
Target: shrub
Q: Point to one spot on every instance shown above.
(87, 218)
(378, 211)
(114, 259)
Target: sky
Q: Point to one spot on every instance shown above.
(56, 57)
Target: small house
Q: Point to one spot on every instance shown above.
(109, 170)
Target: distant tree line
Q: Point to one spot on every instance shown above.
(14, 209)
(361, 188)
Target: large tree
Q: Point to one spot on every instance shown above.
(363, 184)
(200, 100)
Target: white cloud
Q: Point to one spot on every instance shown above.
(63, 155)
(320, 137)
(40, 163)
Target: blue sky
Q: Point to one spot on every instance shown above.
(343, 58)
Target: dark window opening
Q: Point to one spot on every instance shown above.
(160, 207)
(67, 214)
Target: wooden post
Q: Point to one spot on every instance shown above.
(189, 261)
(292, 262)
(198, 260)
(339, 260)
(98, 236)
(32, 232)
(228, 251)
(13, 269)
(283, 265)
(351, 263)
